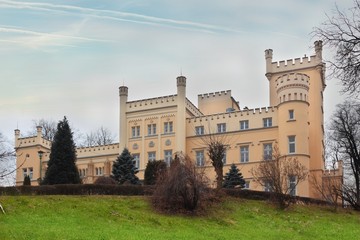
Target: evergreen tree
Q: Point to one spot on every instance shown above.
(124, 170)
(61, 166)
(27, 181)
(233, 178)
(152, 171)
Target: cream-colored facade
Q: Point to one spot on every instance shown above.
(159, 127)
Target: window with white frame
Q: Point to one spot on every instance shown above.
(151, 129)
(247, 185)
(135, 131)
(151, 156)
(136, 157)
(31, 173)
(291, 114)
(267, 151)
(224, 158)
(200, 161)
(221, 127)
(96, 171)
(291, 144)
(244, 154)
(268, 186)
(199, 130)
(168, 127)
(292, 185)
(168, 156)
(244, 124)
(267, 122)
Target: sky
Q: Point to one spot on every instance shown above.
(68, 58)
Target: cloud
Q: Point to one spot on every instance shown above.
(118, 16)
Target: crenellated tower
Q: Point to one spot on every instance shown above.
(296, 86)
(181, 115)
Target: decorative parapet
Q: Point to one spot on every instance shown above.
(214, 94)
(32, 141)
(231, 115)
(292, 80)
(150, 103)
(97, 150)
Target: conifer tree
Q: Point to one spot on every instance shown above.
(233, 178)
(124, 169)
(61, 166)
(27, 181)
(152, 171)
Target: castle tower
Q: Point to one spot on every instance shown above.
(298, 84)
(123, 93)
(17, 136)
(181, 115)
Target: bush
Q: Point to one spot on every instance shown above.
(105, 181)
(181, 187)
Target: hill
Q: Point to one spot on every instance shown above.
(118, 217)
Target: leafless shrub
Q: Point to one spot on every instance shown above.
(275, 174)
(181, 187)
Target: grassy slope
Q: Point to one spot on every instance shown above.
(113, 217)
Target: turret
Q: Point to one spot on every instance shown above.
(123, 93)
(268, 59)
(17, 136)
(38, 131)
(181, 114)
(318, 49)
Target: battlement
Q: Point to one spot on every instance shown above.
(123, 91)
(32, 141)
(145, 104)
(181, 81)
(215, 94)
(234, 115)
(109, 149)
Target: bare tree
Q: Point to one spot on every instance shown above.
(345, 129)
(341, 32)
(216, 152)
(329, 185)
(101, 136)
(49, 128)
(280, 175)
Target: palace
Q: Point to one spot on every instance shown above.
(157, 128)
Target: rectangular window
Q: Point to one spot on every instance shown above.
(168, 156)
(247, 185)
(244, 124)
(200, 161)
(224, 158)
(151, 156)
(199, 130)
(168, 127)
(135, 131)
(137, 160)
(244, 154)
(31, 172)
(292, 185)
(267, 122)
(24, 172)
(291, 115)
(268, 186)
(267, 151)
(221, 127)
(151, 129)
(291, 144)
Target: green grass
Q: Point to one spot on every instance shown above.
(115, 217)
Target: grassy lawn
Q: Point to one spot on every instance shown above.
(116, 217)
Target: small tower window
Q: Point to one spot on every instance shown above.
(291, 114)
(291, 144)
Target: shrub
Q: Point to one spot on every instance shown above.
(181, 187)
(105, 181)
